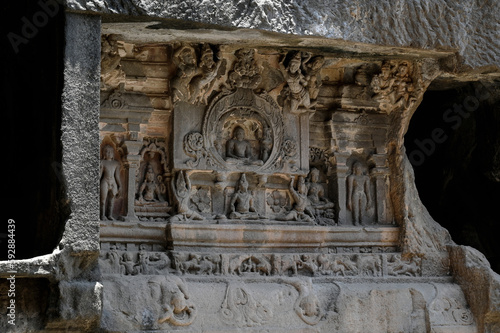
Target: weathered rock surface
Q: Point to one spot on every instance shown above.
(470, 27)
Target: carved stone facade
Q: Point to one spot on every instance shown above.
(310, 150)
(222, 179)
(267, 179)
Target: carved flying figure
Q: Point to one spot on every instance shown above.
(312, 69)
(201, 84)
(394, 87)
(185, 59)
(296, 91)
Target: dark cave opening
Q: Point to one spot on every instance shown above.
(453, 143)
(32, 83)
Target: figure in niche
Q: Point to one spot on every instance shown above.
(296, 90)
(358, 193)
(302, 210)
(110, 182)
(200, 86)
(187, 68)
(150, 190)
(171, 293)
(266, 144)
(312, 69)
(241, 205)
(239, 150)
(182, 194)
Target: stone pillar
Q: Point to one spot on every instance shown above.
(380, 174)
(380, 206)
(342, 170)
(304, 141)
(133, 163)
(80, 140)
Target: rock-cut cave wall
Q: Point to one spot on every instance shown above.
(51, 100)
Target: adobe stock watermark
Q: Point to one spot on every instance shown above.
(452, 116)
(31, 26)
(11, 255)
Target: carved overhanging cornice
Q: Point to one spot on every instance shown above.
(201, 71)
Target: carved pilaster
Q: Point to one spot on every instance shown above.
(342, 170)
(132, 166)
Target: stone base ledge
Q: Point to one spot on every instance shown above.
(276, 238)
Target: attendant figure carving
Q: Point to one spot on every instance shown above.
(110, 182)
(266, 144)
(182, 194)
(316, 192)
(242, 202)
(302, 210)
(312, 69)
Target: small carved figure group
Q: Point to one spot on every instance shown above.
(310, 203)
(194, 81)
(131, 263)
(394, 87)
